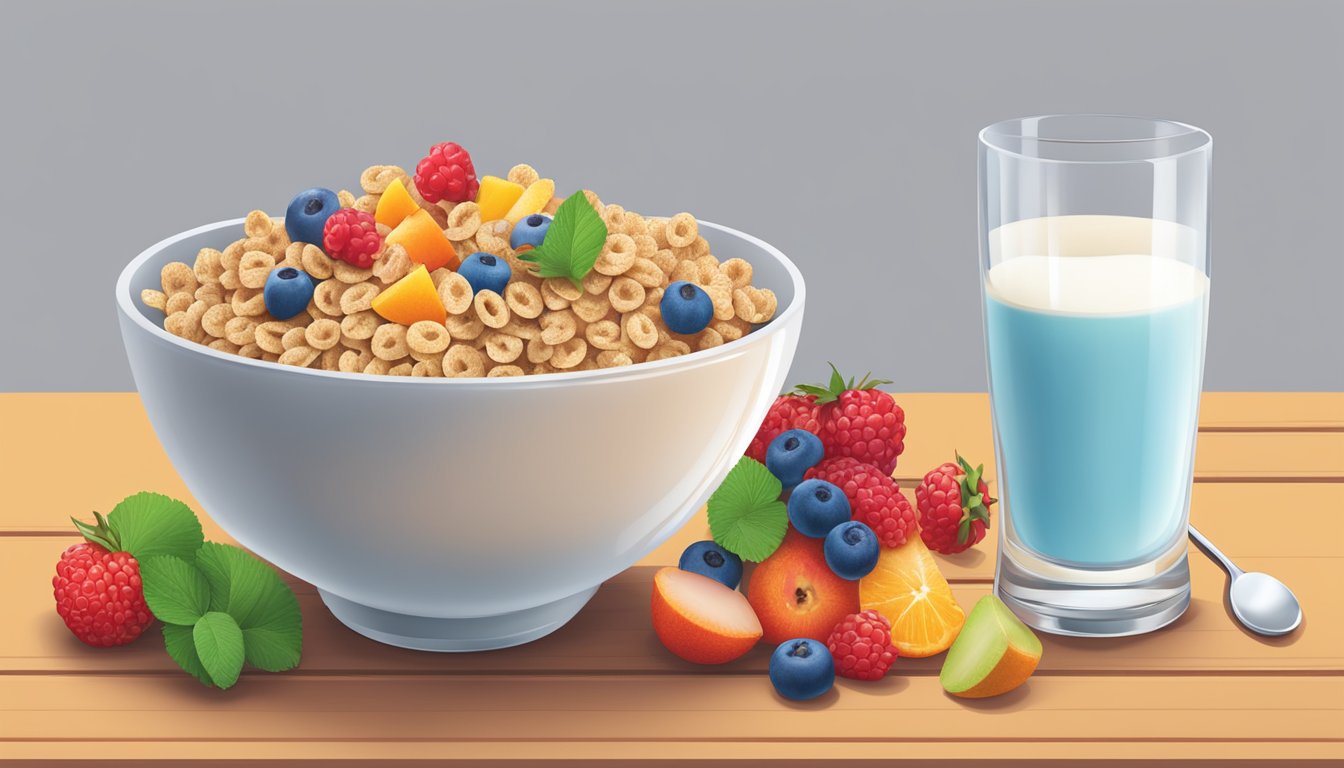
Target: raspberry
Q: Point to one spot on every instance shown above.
(874, 498)
(946, 523)
(446, 173)
(352, 236)
(99, 596)
(861, 646)
(865, 424)
(788, 412)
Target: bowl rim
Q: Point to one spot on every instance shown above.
(126, 306)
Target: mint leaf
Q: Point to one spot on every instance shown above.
(219, 644)
(573, 241)
(148, 524)
(175, 590)
(746, 516)
(261, 604)
(181, 646)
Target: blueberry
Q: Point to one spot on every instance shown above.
(486, 272)
(816, 507)
(802, 669)
(287, 292)
(686, 307)
(709, 559)
(530, 231)
(851, 550)
(307, 214)
(791, 453)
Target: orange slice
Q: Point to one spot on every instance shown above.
(411, 299)
(496, 197)
(424, 241)
(907, 588)
(395, 204)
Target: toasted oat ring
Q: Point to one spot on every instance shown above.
(377, 178)
(427, 337)
(596, 283)
(257, 224)
(361, 325)
(463, 221)
(570, 353)
(504, 370)
(503, 348)
(208, 266)
(604, 334)
(641, 330)
(177, 277)
(538, 351)
(431, 367)
(524, 300)
(358, 298)
(681, 230)
(617, 256)
(178, 302)
(613, 358)
(558, 327)
(626, 295)
(492, 309)
(323, 334)
(389, 342)
(455, 293)
(465, 327)
(523, 174)
(463, 361)
(215, 320)
(590, 308)
(154, 299)
(327, 296)
(248, 302)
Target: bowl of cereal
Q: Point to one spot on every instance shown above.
(435, 503)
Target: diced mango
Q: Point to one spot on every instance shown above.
(411, 299)
(533, 200)
(394, 205)
(424, 242)
(496, 197)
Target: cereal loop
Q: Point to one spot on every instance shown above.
(317, 264)
(154, 299)
(269, 336)
(377, 178)
(646, 272)
(431, 368)
(455, 293)
(708, 338)
(176, 277)
(248, 302)
(327, 297)
(427, 337)
(504, 370)
(378, 367)
(563, 288)
(590, 309)
(569, 354)
(401, 369)
(294, 337)
(523, 174)
(626, 295)
(463, 221)
(524, 300)
(681, 230)
(257, 224)
(209, 265)
(552, 300)
(538, 351)
(466, 327)
(492, 309)
(330, 359)
(394, 264)
(604, 334)
(349, 274)
(361, 325)
(558, 327)
(322, 334)
(352, 361)
(358, 298)
(596, 283)
(738, 271)
(241, 330)
(210, 294)
(216, 319)
(613, 358)
(389, 342)
(685, 270)
(639, 328)
(223, 345)
(617, 255)
(503, 348)
(463, 361)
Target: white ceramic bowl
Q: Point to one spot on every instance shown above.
(454, 514)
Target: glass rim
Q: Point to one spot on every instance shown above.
(999, 135)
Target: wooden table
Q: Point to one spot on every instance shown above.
(1269, 489)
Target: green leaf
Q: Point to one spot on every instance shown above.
(148, 524)
(746, 516)
(262, 605)
(181, 646)
(837, 384)
(219, 644)
(175, 590)
(573, 241)
(964, 529)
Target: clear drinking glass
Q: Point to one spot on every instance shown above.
(1094, 266)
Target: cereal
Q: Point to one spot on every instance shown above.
(154, 299)
(359, 345)
(538, 351)
(558, 327)
(617, 256)
(251, 351)
(322, 335)
(523, 174)
(401, 369)
(216, 319)
(503, 348)
(294, 337)
(301, 356)
(681, 230)
(327, 296)
(463, 221)
(224, 345)
(754, 305)
(349, 274)
(345, 198)
(254, 268)
(685, 270)
(257, 224)
(465, 327)
(427, 337)
(269, 336)
(613, 358)
(176, 277)
(210, 294)
(209, 265)
(552, 300)
(378, 367)
(248, 302)
(361, 325)
(590, 308)
(563, 288)
(352, 361)
(504, 370)
(432, 367)
(329, 359)
(455, 293)
(389, 342)
(626, 295)
(596, 283)
(604, 335)
(639, 328)
(240, 330)
(317, 264)
(492, 309)
(393, 265)
(462, 361)
(569, 353)
(708, 338)
(376, 178)
(671, 348)
(738, 271)
(358, 297)
(180, 325)
(524, 300)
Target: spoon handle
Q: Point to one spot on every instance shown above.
(1214, 552)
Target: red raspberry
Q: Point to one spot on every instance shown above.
(874, 498)
(446, 173)
(352, 236)
(99, 596)
(788, 412)
(947, 523)
(858, 420)
(861, 646)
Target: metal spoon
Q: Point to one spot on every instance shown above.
(1261, 602)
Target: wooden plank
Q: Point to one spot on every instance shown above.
(613, 634)
(503, 717)
(1271, 410)
(117, 454)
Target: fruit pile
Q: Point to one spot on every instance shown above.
(444, 275)
(845, 582)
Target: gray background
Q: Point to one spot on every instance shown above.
(842, 132)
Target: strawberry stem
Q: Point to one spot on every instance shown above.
(100, 533)
(838, 386)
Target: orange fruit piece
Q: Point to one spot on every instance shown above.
(994, 653)
(908, 589)
(701, 620)
(533, 200)
(424, 242)
(394, 205)
(496, 196)
(411, 299)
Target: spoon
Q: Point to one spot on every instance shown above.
(1260, 602)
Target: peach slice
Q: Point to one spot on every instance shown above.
(533, 200)
(394, 205)
(994, 653)
(411, 299)
(424, 241)
(701, 620)
(496, 197)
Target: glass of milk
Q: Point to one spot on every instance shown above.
(1094, 261)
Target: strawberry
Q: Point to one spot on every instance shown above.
(874, 498)
(953, 507)
(790, 411)
(859, 420)
(98, 589)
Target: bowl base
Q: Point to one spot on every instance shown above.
(483, 633)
